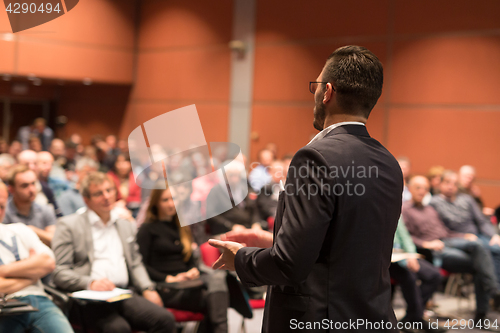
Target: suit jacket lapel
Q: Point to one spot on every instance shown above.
(123, 239)
(88, 238)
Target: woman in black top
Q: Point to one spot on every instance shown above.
(167, 253)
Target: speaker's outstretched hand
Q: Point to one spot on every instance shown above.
(226, 259)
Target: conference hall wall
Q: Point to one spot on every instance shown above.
(94, 40)
(183, 58)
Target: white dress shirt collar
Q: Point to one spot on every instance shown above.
(327, 130)
(94, 218)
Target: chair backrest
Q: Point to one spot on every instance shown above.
(270, 223)
(209, 254)
(182, 316)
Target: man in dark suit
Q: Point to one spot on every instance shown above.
(328, 264)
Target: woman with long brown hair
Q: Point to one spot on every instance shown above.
(167, 253)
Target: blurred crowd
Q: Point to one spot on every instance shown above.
(52, 182)
(445, 220)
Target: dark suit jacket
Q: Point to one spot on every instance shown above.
(332, 250)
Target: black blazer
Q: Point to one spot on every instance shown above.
(330, 258)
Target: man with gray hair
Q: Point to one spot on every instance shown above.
(96, 250)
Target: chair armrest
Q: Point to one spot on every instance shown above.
(60, 298)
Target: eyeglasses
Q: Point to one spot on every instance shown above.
(101, 193)
(313, 85)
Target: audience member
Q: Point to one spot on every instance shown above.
(407, 273)
(189, 209)
(456, 252)
(260, 176)
(166, 249)
(77, 140)
(71, 156)
(22, 207)
(44, 194)
(460, 213)
(58, 151)
(96, 250)
(122, 146)
(28, 157)
(15, 148)
(434, 177)
(124, 180)
(71, 200)
(6, 163)
(112, 145)
(44, 163)
(34, 143)
(466, 184)
(24, 260)
(4, 147)
(273, 148)
(244, 214)
(151, 176)
(38, 129)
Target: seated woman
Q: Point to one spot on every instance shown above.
(128, 190)
(166, 248)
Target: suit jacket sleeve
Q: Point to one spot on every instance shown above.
(63, 246)
(138, 274)
(308, 212)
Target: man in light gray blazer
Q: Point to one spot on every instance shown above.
(95, 249)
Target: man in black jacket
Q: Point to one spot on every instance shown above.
(328, 264)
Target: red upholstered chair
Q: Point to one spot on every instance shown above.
(270, 223)
(209, 254)
(188, 318)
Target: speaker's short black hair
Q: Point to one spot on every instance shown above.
(357, 76)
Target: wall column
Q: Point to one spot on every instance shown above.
(242, 72)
